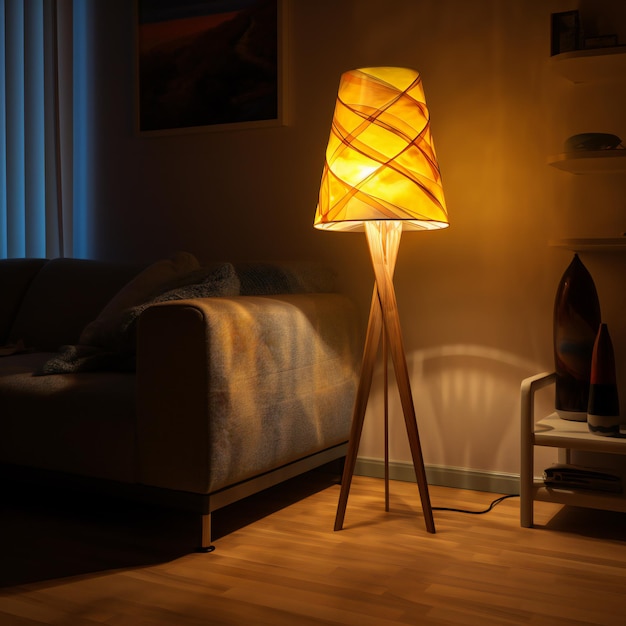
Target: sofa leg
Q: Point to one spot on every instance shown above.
(205, 543)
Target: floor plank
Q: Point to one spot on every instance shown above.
(288, 567)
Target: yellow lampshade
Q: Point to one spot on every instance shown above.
(380, 160)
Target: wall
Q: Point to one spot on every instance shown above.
(476, 299)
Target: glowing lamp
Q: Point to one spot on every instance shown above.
(381, 176)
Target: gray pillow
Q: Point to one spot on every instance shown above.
(153, 280)
(219, 280)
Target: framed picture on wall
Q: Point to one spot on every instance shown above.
(205, 65)
(565, 35)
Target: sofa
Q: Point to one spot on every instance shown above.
(174, 383)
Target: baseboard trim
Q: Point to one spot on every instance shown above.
(460, 478)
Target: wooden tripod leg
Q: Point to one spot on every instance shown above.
(386, 417)
(384, 240)
(374, 329)
(410, 420)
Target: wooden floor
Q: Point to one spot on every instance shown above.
(290, 568)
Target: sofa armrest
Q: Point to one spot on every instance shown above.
(229, 388)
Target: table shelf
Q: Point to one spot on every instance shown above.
(591, 244)
(559, 433)
(591, 161)
(579, 497)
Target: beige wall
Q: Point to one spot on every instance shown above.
(476, 299)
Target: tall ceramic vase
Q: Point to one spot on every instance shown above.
(603, 411)
(576, 322)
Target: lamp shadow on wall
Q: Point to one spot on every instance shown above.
(467, 404)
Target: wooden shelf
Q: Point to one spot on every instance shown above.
(591, 244)
(582, 66)
(590, 161)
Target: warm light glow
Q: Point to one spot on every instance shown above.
(380, 160)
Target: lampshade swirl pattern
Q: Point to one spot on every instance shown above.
(380, 160)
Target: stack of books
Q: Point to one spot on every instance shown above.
(562, 476)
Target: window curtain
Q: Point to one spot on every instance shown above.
(36, 129)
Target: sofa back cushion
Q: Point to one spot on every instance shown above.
(64, 296)
(15, 278)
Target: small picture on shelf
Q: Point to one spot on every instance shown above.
(565, 35)
(605, 41)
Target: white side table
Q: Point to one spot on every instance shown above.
(565, 435)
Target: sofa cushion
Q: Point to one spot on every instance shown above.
(78, 423)
(47, 318)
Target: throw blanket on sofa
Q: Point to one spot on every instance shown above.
(108, 343)
(72, 359)
(116, 350)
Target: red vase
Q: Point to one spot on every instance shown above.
(576, 322)
(603, 411)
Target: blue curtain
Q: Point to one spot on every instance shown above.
(36, 128)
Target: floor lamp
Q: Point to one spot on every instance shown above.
(381, 176)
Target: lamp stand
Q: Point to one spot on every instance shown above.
(383, 238)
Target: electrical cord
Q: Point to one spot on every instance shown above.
(496, 501)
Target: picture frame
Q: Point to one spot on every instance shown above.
(209, 66)
(565, 33)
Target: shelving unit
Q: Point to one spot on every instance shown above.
(552, 431)
(582, 66)
(601, 64)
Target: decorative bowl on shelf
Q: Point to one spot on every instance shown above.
(592, 142)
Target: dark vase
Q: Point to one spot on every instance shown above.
(576, 322)
(603, 411)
